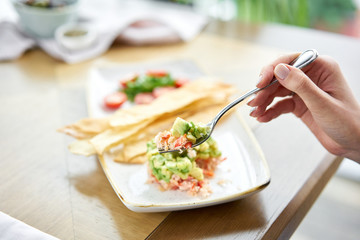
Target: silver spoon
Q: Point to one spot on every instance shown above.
(301, 61)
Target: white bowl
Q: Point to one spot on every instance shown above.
(75, 36)
(42, 22)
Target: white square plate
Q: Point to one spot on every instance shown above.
(244, 172)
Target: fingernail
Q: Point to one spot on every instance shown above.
(252, 111)
(281, 71)
(250, 99)
(260, 79)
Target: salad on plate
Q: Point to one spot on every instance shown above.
(143, 88)
(187, 170)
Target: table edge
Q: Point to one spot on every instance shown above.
(292, 215)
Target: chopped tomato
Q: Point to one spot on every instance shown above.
(177, 143)
(180, 82)
(180, 141)
(157, 73)
(143, 98)
(131, 77)
(115, 100)
(188, 145)
(165, 136)
(161, 90)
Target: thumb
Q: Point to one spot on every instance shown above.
(295, 80)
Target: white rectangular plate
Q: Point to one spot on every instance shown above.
(244, 172)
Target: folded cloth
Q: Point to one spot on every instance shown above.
(13, 43)
(132, 22)
(11, 228)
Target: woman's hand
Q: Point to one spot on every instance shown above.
(319, 96)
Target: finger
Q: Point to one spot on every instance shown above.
(267, 73)
(281, 107)
(261, 96)
(260, 110)
(264, 95)
(295, 80)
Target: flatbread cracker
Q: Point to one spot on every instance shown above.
(112, 137)
(86, 128)
(138, 159)
(82, 147)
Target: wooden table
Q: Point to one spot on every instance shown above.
(69, 196)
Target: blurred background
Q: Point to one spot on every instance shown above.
(339, 16)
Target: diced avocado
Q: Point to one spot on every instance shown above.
(180, 166)
(204, 155)
(197, 173)
(198, 130)
(165, 174)
(182, 175)
(159, 170)
(203, 147)
(216, 153)
(158, 161)
(207, 149)
(184, 164)
(180, 127)
(163, 167)
(191, 138)
(171, 165)
(197, 148)
(151, 149)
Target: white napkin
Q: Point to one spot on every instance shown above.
(13, 229)
(13, 43)
(132, 22)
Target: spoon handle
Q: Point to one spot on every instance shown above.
(301, 61)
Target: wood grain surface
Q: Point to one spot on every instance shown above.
(69, 196)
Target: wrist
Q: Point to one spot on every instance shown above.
(354, 148)
(353, 155)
